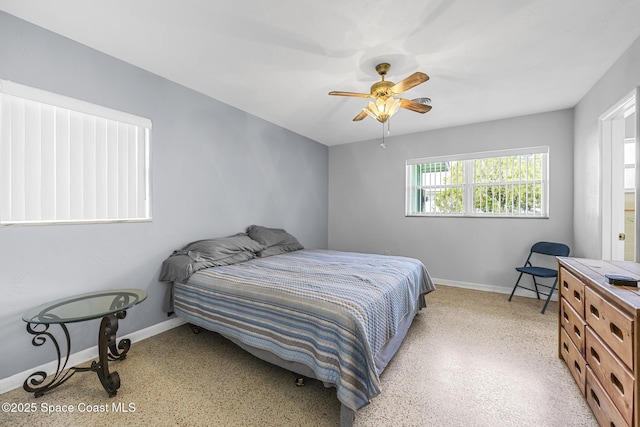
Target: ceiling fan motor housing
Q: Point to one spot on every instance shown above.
(382, 89)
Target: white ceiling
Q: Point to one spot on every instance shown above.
(279, 59)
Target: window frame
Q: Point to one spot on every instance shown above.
(468, 186)
(61, 148)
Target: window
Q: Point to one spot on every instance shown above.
(506, 183)
(67, 161)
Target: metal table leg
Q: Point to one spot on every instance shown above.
(108, 349)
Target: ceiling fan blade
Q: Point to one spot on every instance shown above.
(360, 116)
(359, 95)
(413, 80)
(414, 106)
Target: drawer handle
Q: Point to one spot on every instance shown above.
(565, 346)
(594, 312)
(577, 331)
(576, 295)
(595, 397)
(565, 285)
(564, 314)
(616, 382)
(577, 367)
(595, 355)
(616, 331)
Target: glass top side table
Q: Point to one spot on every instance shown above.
(110, 305)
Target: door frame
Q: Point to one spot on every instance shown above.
(611, 127)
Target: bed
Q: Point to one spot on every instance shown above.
(335, 316)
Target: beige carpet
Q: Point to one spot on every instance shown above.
(470, 359)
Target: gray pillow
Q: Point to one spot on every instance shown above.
(223, 247)
(208, 253)
(274, 240)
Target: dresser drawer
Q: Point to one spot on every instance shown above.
(573, 324)
(603, 408)
(613, 326)
(572, 289)
(574, 359)
(612, 374)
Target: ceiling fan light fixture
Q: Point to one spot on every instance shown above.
(382, 109)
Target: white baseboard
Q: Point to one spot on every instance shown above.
(488, 288)
(16, 381)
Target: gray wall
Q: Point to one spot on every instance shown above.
(367, 199)
(620, 80)
(215, 171)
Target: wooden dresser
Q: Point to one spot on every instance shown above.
(598, 332)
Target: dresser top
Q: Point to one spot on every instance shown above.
(594, 271)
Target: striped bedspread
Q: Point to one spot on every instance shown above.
(331, 311)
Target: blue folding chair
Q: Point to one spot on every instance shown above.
(543, 249)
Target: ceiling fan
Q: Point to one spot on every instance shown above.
(385, 94)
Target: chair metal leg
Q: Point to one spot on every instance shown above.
(515, 286)
(553, 288)
(535, 285)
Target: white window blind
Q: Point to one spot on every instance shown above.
(63, 160)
